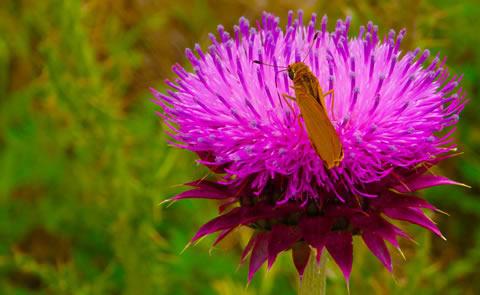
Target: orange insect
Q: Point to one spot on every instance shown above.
(310, 99)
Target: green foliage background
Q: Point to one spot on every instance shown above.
(84, 163)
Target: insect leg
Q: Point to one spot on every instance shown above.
(285, 96)
(331, 102)
(289, 97)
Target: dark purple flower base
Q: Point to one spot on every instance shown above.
(317, 223)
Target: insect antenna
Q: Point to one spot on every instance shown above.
(284, 68)
(269, 65)
(311, 46)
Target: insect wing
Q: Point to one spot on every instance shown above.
(320, 130)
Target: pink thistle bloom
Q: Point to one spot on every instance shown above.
(393, 114)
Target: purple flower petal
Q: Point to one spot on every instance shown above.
(376, 244)
(226, 221)
(423, 182)
(248, 247)
(259, 254)
(392, 200)
(300, 255)
(201, 194)
(415, 216)
(339, 245)
(240, 215)
(378, 225)
(282, 237)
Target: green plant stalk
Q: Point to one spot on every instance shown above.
(314, 278)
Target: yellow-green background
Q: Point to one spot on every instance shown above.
(84, 163)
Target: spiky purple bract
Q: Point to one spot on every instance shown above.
(394, 116)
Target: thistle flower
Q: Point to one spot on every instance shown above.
(393, 114)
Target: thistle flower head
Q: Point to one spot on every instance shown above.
(393, 113)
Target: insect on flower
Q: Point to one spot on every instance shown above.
(396, 118)
(310, 99)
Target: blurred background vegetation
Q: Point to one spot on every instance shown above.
(84, 163)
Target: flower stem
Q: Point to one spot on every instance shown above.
(314, 277)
